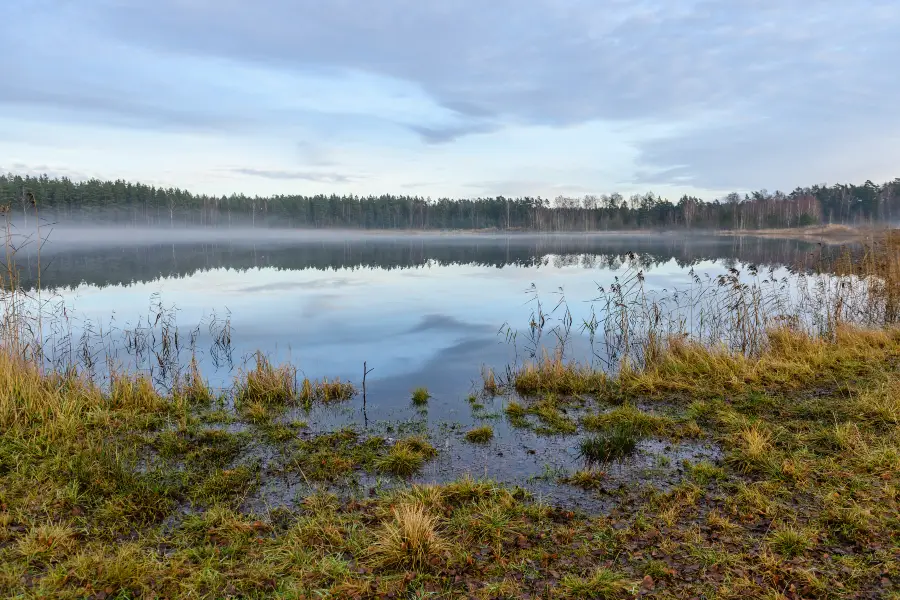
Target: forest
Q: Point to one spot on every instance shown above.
(121, 203)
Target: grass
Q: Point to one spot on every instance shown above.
(602, 584)
(586, 479)
(191, 386)
(553, 375)
(420, 396)
(490, 385)
(267, 384)
(613, 443)
(550, 412)
(406, 457)
(791, 541)
(410, 540)
(516, 414)
(754, 449)
(325, 391)
(628, 416)
(480, 435)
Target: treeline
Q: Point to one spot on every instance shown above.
(121, 202)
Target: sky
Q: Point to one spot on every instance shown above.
(458, 98)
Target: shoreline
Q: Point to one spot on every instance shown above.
(828, 234)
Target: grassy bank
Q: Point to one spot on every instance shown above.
(125, 493)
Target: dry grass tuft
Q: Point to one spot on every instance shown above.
(553, 375)
(192, 387)
(754, 449)
(791, 541)
(326, 391)
(134, 393)
(411, 540)
(880, 405)
(48, 541)
(267, 384)
(489, 379)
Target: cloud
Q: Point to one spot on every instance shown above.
(24, 169)
(107, 109)
(440, 135)
(315, 176)
(547, 60)
(716, 93)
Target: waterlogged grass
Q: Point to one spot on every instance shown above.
(125, 492)
(420, 396)
(628, 416)
(406, 457)
(586, 479)
(480, 435)
(325, 391)
(549, 412)
(615, 442)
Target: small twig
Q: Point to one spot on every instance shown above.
(366, 371)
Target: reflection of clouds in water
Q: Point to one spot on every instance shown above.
(319, 304)
(446, 322)
(450, 366)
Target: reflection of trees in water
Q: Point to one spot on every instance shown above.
(124, 265)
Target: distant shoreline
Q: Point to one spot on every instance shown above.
(826, 234)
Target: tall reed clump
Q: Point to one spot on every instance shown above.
(267, 384)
